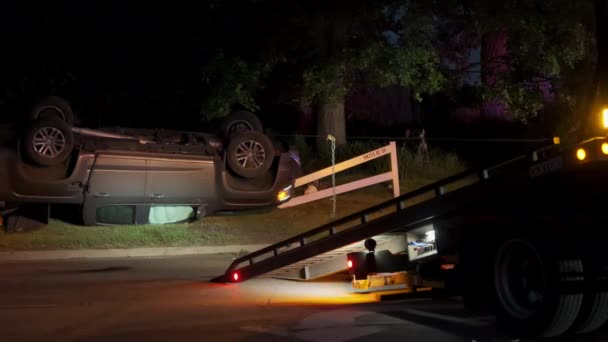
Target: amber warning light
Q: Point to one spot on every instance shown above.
(581, 154)
(284, 194)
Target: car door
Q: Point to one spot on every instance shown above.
(181, 181)
(62, 183)
(116, 187)
(178, 189)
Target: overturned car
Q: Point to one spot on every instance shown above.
(137, 176)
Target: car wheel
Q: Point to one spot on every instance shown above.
(238, 122)
(48, 141)
(250, 154)
(529, 281)
(52, 106)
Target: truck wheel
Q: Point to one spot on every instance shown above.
(238, 122)
(52, 106)
(528, 281)
(250, 154)
(48, 141)
(594, 311)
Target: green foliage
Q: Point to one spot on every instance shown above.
(435, 165)
(328, 82)
(410, 61)
(328, 48)
(547, 42)
(411, 66)
(550, 50)
(231, 82)
(334, 49)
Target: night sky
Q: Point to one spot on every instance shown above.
(136, 64)
(111, 60)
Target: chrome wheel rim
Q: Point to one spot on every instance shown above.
(49, 142)
(250, 154)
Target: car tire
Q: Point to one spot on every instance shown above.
(529, 280)
(238, 122)
(48, 141)
(250, 154)
(52, 106)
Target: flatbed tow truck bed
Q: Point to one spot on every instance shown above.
(533, 199)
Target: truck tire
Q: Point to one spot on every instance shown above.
(238, 122)
(48, 141)
(250, 154)
(594, 311)
(52, 106)
(528, 279)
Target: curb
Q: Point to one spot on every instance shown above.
(123, 253)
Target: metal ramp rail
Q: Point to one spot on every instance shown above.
(320, 251)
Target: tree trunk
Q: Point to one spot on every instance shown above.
(330, 120)
(306, 120)
(335, 18)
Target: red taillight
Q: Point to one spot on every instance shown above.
(235, 276)
(349, 263)
(446, 267)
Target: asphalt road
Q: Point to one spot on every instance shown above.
(171, 299)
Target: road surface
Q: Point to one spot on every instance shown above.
(171, 299)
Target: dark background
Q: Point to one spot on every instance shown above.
(140, 65)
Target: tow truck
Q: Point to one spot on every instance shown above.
(522, 239)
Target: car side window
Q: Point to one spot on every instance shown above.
(163, 214)
(116, 214)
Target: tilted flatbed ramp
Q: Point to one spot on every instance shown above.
(322, 251)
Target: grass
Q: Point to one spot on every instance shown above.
(247, 228)
(435, 164)
(61, 235)
(263, 227)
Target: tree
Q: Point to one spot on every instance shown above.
(384, 44)
(529, 50)
(334, 43)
